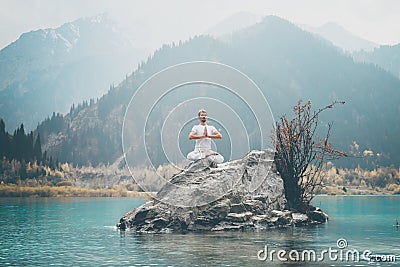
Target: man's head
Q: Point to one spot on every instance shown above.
(202, 115)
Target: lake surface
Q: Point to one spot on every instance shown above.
(82, 232)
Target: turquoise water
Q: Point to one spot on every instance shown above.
(81, 232)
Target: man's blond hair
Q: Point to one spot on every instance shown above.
(201, 111)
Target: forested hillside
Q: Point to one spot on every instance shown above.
(286, 62)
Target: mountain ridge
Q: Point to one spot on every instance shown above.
(288, 64)
(386, 56)
(341, 37)
(69, 64)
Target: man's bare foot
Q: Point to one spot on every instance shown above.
(210, 153)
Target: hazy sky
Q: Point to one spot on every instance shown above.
(167, 20)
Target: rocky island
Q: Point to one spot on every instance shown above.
(243, 194)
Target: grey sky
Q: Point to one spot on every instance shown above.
(167, 20)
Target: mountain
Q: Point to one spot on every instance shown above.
(385, 56)
(286, 62)
(233, 23)
(341, 37)
(48, 70)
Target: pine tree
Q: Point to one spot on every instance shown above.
(18, 143)
(28, 149)
(3, 139)
(37, 149)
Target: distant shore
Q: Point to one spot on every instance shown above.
(120, 191)
(67, 191)
(354, 190)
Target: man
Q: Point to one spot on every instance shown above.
(203, 134)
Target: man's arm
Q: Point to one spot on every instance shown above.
(193, 135)
(215, 135)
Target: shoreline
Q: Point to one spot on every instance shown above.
(67, 191)
(353, 191)
(117, 191)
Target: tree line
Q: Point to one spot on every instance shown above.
(21, 155)
(19, 146)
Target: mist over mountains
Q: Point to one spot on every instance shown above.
(234, 23)
(342, 38)
(46, 71)
(331, 32)
(385, 56)
(286, 62)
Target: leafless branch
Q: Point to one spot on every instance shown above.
(301, 155)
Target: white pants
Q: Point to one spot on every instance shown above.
(195, 155)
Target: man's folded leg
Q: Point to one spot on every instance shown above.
(217, 158)
(194, 155)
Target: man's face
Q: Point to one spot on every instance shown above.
(203, 116)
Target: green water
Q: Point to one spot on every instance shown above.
(81, 232)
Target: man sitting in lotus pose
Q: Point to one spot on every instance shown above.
(203, 133)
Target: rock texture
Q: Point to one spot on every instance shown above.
(243, 194)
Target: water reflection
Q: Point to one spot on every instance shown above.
(222, 248)
(366, 223)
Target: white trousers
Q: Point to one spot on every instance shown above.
(195, 155)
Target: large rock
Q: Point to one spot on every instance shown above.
(243, 194)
